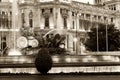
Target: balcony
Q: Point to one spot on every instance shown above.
(5, 4)
(26, 2)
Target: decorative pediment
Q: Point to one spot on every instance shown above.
(45, 0)
(65, 1)
(46, 12)
(64, 12)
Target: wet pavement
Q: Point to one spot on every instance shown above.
(60, 77)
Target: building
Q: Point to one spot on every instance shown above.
(100, 2)
(42, 16)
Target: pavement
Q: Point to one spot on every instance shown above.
(60, 77)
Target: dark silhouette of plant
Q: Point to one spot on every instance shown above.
(113, 35)
(43, 61)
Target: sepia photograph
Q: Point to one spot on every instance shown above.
(59, 39)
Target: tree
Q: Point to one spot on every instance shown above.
(113, 35)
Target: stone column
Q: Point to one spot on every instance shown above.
(39, 15)
(69, 20)
(36, 17)
(91, 20)
(51, 21)
(19, 19)
(70, 42)
(55, 17)
(77, 20)
(59, 20)
(14, 23)
(42, 20)
(26, 18)
(9, 20)
(84, 16)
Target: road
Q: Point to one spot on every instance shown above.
(60, 77)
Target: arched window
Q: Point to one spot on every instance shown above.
(23, 20)
(31, 19)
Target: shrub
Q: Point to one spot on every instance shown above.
(43, 61)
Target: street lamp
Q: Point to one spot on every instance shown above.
(75, 39)
(97, 39)
(106, 38)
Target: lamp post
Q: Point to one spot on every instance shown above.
(106, 38)
(97, 39)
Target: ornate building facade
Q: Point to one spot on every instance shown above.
(42, 16)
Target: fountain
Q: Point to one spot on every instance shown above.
(14, 50)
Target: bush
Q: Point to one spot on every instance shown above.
(43, 61)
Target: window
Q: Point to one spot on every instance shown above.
(4, 19)
(43, 10)
(74, 46)
(46, 22)
(10, 22)
(105, 19)
(80, 24)
(30, 19)
(72, 13)
(65, 22)
(31, 23)
(114, 6)
(0, 19)
(73, 25)
(88, 16)
(3, 44)
(51, 10)
(23, 21)
(99, 17)
(60, 10)
(111, 19)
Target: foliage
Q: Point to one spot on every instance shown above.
(43, 61)
(113, 35)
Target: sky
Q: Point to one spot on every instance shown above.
(85, 1)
